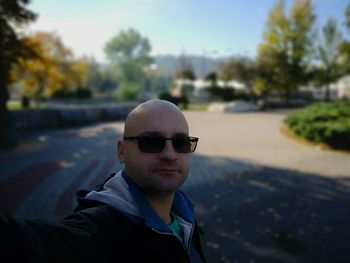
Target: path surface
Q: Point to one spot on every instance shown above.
(259, 196)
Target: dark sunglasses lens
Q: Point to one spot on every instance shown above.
(184, 145)
(151, 144)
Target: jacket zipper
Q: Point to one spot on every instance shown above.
(187, 251)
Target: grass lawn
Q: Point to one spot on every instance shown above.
(14, 105)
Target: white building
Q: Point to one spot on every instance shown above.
(200, 86)
(338, 90)
(343, 87)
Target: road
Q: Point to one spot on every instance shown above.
(260, 197)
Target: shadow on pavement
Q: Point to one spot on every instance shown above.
(249, 213)
(40, 182)
(267, 214)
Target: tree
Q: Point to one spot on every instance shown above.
(216, 92)
(344, 47)
(285, 53)
(129, 54)
(212, 78)
(185, 75)
(328, 55)
(94, 79)
(185, 69)
(347, 18)
(241, 69)
(13, 13)
(54, 72)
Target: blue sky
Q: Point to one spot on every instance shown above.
(201, 27)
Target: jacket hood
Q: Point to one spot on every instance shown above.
(121, 193)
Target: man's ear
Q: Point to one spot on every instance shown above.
(121, 151)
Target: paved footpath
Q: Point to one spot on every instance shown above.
(260, 197)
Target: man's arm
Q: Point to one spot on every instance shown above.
(41, 241)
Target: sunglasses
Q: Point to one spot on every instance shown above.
(155, 143)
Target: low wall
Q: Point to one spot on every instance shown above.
(33, 119)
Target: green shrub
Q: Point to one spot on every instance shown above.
(222, 94)
(82, 93)
(78, 93)
(226, 94)
(177, 100)
(61, 93)
(323, 123)
(127, 91)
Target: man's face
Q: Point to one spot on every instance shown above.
(156, 173)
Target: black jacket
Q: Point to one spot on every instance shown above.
(97, 232)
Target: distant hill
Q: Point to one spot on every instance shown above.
(168, 64)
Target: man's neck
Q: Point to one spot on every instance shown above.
(162, 205)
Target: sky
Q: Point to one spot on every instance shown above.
(199, 27)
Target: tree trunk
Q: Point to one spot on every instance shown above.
(327, 94)
(8, 138)
(287, 97)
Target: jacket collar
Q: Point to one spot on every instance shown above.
(182, 207)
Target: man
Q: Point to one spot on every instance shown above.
(137, 215)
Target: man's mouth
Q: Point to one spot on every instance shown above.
(168, 170)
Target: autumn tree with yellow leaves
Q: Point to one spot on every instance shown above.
(53, 72)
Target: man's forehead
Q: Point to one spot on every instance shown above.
(165, 120)
(159, 124)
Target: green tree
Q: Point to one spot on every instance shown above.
(129, 54)
(185, 69)
(13, 13)
(347, 18)
(186, 76)
(109, 80)
(285, 53)
(344, 47)
(95, 76)
(212, 78)
(241, 69)
(329, 69)
(213, 88)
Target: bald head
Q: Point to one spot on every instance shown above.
(163, 171)
(153, 111)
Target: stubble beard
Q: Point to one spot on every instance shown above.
(165, 181)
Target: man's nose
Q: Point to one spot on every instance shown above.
(168, 152)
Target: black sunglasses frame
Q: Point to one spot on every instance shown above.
(158, 148)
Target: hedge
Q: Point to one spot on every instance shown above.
(323, 122)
